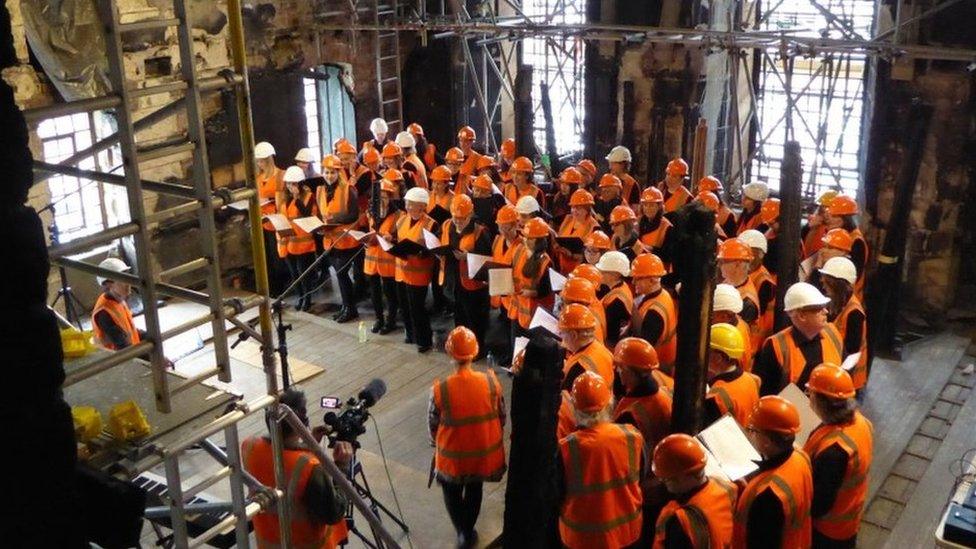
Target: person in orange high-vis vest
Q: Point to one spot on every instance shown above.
(655, 315)
(521, 184)
(724, 216)
(813, 232)
(618, 302)
(579, 223)
(503, 248)
(730, 389)
(427, 151)
(583, 352)
(380, 265)
(788, 356)
(841, 450)
(470, 296)
(271, 194)
(652, 225)
(412, 162)
(530, 274)
(734, 262)
(300, 246)
(676, 194)
(337, 202)
(762, 280)
(317, 508)
(842, 214)
(726, 306)
(601, 467)
(580, 290)
(753, 195)
(466, 418)
(774, 507)
(700, 513)
(466, 137)
(838, 277)
(415, 272)
(619, 160)
(112, 321)
(453, 161)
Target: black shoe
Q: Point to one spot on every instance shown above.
(307, 304)
(337, 314)
(378, 326)
(408, 339)
(389, 327)
(423, 349)
(348, 315)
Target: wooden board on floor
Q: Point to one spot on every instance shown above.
(249, 352)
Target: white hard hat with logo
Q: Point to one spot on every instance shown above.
(263, 150)
(112, 264)
(619, 154)
(802, 295)
(754, 239)
(614, 262)
(727, 298)
(840, 267)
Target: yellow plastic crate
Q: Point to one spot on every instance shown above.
(76, 343)
(88, 422)
(127, 422)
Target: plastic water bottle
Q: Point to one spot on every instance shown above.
(363, 334)
(490, 359)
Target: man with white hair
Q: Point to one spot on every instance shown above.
(619, 160)
(412, 162)
(415, 272)
(619, 299)
(753, 195)
(762, 279)
(379, 129)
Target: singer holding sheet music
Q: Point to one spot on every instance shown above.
(271, 194)
(415, 272)
(338, 205)
(380, 265)
(300, 246)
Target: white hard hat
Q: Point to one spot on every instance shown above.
(754, 239)
(727, 298)
(405, 140)
(527, 205)
(614, 262)
(619, 154)
(840, 267)
(304, 155)
(417, 194)
(378, 125)
(112, 264)
(802, 295)
(263, 150)
(757, 191)
(294, 174)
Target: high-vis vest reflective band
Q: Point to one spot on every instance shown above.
(651, 413)
(256, 455)
(655, 238)
(601, 320)
(466, 244)
(760, 277)
(856, 439)
(792, 484)
(737, 397)
(503, 252)
(301, 242)
(746, 224)
(790, 357)
(337, 206)
(676, 200)
(415, 270)
(621, 293)
(706, 517)
(512, 194)
(469, 437)
(859, 374)
(570, 227)
(269, 185)
(378, 261)
(525, 306)
(628, 184)
(122, 317)
(602, 506)
(662, 305)
(595, 358)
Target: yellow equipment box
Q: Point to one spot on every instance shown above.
(88, 422)
(127, 422)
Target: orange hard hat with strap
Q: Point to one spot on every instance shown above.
(652, 194)
(393, 174)
(832, 381)
(622, 213)
(578, 290)
(588, 166)
(709, 183)
(572, 176)
(462, 206)
(522, 164)
(677, 168)
(484, 161)
(589, 272)
(591, 393)
(371, 156)
(345, 147)
(769, 211)
(416, 129)
(506, 214)
(536, 228)
(842, 204)
(482, 182)
(461, 344)
(610, 180)
(454, 154)
(840, 239)
(466, 134)
(440, 173)
(508, 147)
(577, 316)
(709, 199)
(331, 162)
(392, 150)
(598, 240)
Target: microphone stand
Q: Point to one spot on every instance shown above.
(72, 305)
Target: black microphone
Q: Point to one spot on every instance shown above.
(372, 392)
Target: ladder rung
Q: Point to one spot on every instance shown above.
(146, 155)
(195, 379)
(388, 35)
(391, 79)
(389, 102)
(385, 12)
(148, 24)
(187, 267)
(168, 87)
(388, 57)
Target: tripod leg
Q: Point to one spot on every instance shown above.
(374, 503)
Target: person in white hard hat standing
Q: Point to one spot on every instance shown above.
(753, 195)
(619, 160)
(299, 248)
(762, 279)
(414, 273)
(839, 276)
(304, 159)
(726, 306)
(412, 162)
(618, 302)
(379, 129)
(271, 194)
(789, 355)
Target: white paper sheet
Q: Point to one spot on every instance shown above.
(475, 262)
(543, 319)
(556, 280)
(239, 205)
(385, 244)
(308, 224)
(360, 235)
(850, 362)
(279, 222)
(496, 190)
(520, 343)
(713, 468)
(731, 448)
(808, 418)
(266, 201)
(500, 282)
(431, 240)
(806, 267)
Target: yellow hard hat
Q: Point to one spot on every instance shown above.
(727, 339)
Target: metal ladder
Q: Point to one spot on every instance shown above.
(389, 91)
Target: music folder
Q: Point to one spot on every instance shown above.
(479, 265)
(572, 243)
(439, 214)
(280, 223)
(406, 248)
(433, 244)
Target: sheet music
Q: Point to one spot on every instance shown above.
(851, 361)
(543, 319)
(475, 262)
(808, 418)
(500, 282)
(731, 448)
(279, 222)
(239, 205)
(385, 244)
(556, 280)
(308, 224)
(431, 240)
(520, 344)
(713, 468)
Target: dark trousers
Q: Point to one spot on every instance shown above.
(296, 266)
(463, 502)
(277, 271)
(383, 291)
(359, 277)
(416, 320)
(471, 309)
(505, 356)
(436, 289)
(821, 541)
(342, 261)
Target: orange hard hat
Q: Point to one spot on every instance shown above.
(588, 166)
(485, 161)
(454, 154)
(466, 134)
(610, 180)
(589, 272)
(677, 168)
(461, 206)
(591, 393)
(461, 344)
(578, 290)
(636, 353)
(371, 156)
(391, 150)
(581, 197)
(344, 147)
(622, 213)
(769, 211)
(440, 173)
(415, 129)
(387, 186)
(393, 175)
(652, 194)
(482, 182)
(535, 228)
(677, 454)
(577, 316)
(838, 238)
(709, 183)
(776, 414)
(331, 162)
(598, 240)
(709, 199)
(832, 381)
(572, 176)
(508, 147)
(506, 214)
(842, 204)
(646, 265)
(522, 164)
(734, 249)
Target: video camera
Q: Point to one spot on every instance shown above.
(351, 422)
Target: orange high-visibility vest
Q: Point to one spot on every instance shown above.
(856, 439)
(655, 238)
(737, 397)
(766, 315)
(747, 291)
(337, 206)
(525, 306)
(503, 252)
(121, 316)
(814, 240)
(377, 260)
(748, 353)
(470, 164)
(622, 293)
(859, 374)
(677, 199)
(466, 244)
(415, 270)
(706, 517)
(667, 343)
(723, 214)
(627, 190)
(792, 484)
(570, 227)
(430, 156)
(651, 413)
(421, 172)
(440, 199)
(513, 194)
(746, 224)
(269, 186)
(601, 320)
(595, 358)
(790, 357)
(462, 183)
(469, 436)
(566, 418)
(857, 235)
(602, 505)
(256, 456)
(301, 242)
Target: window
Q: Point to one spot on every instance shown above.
(329, 112)
(559, 63)
(81, 206)
(828, 95)
(312, 118)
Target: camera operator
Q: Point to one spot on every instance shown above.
(317, 507)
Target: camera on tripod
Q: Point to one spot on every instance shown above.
(348, 425)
